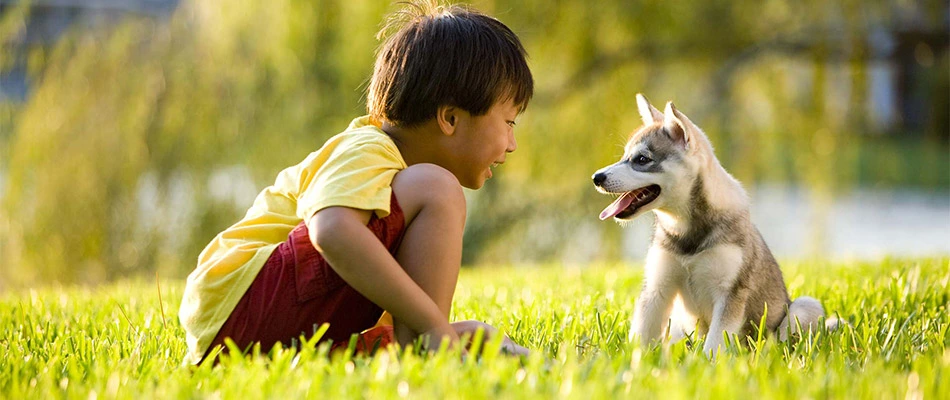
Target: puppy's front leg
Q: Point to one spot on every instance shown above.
(728, 316)
(652, 313)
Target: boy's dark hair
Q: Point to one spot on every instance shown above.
(445, 55)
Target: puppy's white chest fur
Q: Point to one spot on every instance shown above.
(707, 277)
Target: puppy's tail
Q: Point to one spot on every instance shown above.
(805, 313)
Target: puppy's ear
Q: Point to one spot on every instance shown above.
(687, 123)
(674, 126)
(649, 114)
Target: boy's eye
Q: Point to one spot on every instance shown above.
(511, 123)
(641, 160)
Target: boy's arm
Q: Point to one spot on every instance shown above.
(353, 251)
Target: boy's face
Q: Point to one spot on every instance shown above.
(481, 142)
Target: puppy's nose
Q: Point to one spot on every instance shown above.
(599, 178)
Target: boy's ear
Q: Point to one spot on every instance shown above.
(448, 118)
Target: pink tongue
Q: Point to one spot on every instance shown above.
(617, 206)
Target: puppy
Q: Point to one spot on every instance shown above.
(706, 255)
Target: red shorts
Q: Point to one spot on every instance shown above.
(297, 291)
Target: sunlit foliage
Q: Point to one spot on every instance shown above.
(142, 139)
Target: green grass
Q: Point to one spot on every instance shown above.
(114, 342)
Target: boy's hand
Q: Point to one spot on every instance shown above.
(507, 345)
(432, 340)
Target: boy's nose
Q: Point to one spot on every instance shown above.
(599, 178)
(512, 144)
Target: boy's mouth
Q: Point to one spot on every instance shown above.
(492, 166)
(628, 203)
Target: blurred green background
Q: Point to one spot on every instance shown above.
(132, 131)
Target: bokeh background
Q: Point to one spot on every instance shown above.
(132, 131)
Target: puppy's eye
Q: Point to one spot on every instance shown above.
(641, 160)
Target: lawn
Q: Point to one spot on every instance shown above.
(121, 341)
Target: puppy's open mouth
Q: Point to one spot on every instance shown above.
(630, 202)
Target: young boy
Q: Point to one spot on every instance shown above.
(373, 220)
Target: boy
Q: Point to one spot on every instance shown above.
(373, 220)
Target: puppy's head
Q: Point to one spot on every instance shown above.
(656, 169)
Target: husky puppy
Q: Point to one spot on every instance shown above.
(706, 257)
